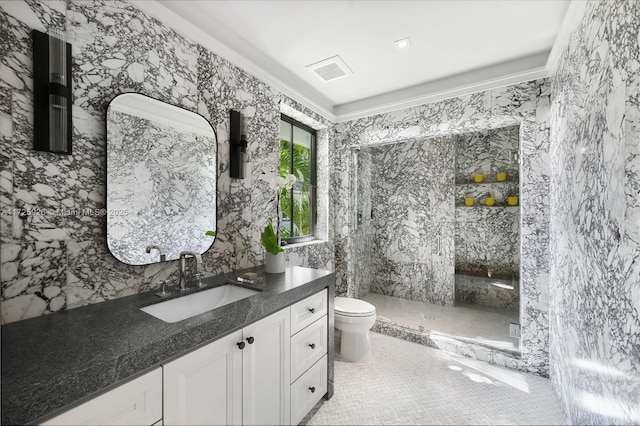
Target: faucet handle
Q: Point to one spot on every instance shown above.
(162, 292)
(200, 276)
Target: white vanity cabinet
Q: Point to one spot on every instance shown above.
(137, 402)
(242, 378)
(271, 372)
(204, 387)
(309, 329)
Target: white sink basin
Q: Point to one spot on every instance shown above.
(175, 310)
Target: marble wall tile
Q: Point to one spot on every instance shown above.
(488, 238)
(534, 323)
(520, 100)
(408, 194)
(631, 224)
(488, 153)
(117, 49)
(594, 250)
(535, 264)
(33, 279)
(6, 167)
(468, 291)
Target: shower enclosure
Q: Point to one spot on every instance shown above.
(437, 236)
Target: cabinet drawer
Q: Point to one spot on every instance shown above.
(138, 402)
(308, 311)
(308, 346)
(308, 389)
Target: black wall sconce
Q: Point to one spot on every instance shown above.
(238, 146)
(51, 92)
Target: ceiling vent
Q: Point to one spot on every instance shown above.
(330, 69)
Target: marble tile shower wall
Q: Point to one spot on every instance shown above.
(52, 262)
(363, 240)
(412, 191)
(595, 201)
(526, 104)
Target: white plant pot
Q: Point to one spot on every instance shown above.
(274, 263)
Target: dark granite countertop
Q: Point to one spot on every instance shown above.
(52, 362)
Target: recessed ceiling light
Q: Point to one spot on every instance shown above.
(403, 43)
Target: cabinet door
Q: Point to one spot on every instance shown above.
(266, 371)
(138, 402)
(204, 386)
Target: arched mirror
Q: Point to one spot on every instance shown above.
(161, 180)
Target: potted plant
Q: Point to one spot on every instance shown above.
(270, 238)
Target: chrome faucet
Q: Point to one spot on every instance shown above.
(183, 258)
(161, 250)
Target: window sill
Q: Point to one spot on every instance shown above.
(306, 243)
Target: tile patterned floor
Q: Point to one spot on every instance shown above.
(483, 324)
(407, 383)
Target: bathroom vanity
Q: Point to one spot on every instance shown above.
(263, 359)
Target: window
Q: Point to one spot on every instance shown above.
(298, 157)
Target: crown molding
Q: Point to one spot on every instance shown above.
(506, 73)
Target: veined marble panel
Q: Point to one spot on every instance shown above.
(488, 238)
(408, 196)
(33, 279)
(483, 291)
(118, 49)
(595, 252)
(631, 224)
(6, 169)
(488, 153)
(363, 241)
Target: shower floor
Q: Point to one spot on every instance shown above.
(485, 325)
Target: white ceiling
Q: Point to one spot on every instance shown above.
(454, 44)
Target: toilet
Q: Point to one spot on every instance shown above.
(354, 318)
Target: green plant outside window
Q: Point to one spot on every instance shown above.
(297, 156)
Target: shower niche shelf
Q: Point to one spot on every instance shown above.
(487, 182)
(482, 206)
(484, 273)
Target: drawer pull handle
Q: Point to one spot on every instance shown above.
(312, 345)
(240, 345)
(250, 340)
(312, 389)
(312, 310)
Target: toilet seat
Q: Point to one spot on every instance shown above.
(348, 307)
